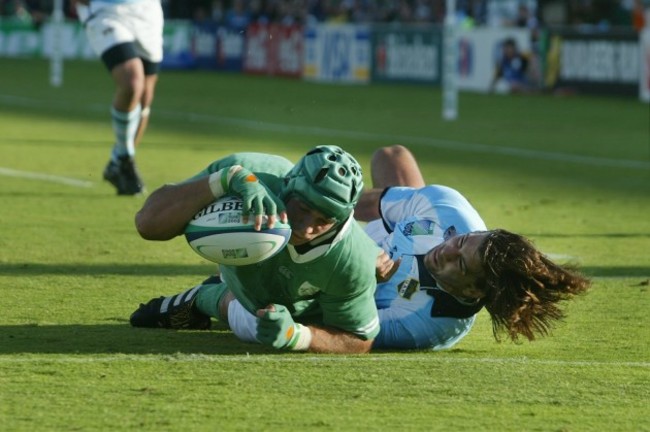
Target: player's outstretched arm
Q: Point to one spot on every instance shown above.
(167, 210)
(277, 328)
(335, 341)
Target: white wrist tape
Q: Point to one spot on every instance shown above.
(219, 181)
(302, 339)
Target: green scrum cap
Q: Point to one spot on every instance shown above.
(328, 179)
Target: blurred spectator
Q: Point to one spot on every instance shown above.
(337, 11)
(638, 15)
(237, 17)
(525, 18)
(258, 12)
(200, 17)
(16, 10)
(423, 12)
(405, 14)
(316, 11)
(360, 11)
(465, 18)
(216, 11)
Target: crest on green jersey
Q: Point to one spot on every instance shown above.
(307, 289)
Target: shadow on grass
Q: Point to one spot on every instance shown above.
(595, 235)
(616, 271)
(84, 269)
(119, 339)
(77, 339)
(204, 270)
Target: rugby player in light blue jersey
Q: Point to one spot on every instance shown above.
(441, 266)
(128, 36)
(415, 311)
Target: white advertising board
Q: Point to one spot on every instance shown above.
(337, 53)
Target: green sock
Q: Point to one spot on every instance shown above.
(208, 297)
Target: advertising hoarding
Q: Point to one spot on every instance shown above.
(337, 53)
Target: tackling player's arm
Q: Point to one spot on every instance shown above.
(277, 328)
(330, 340)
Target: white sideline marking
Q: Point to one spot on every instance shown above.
(405, 139)
(45, 177)
(188, 358)
(365, 136)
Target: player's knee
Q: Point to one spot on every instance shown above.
(130, 79)
(390, 153)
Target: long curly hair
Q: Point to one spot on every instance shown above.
(523, 287)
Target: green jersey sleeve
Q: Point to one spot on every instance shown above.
(349, 303)
(269, 168)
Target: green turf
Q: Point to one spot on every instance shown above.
(571, 173)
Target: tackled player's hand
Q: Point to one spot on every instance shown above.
(385, 267)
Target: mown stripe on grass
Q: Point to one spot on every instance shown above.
(349, 134)
(409, 139)
(184, 358)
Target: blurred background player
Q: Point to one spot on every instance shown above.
(441, 266)
(317, 293)
(128, 35)
(512, 72)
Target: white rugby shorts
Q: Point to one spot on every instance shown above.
(242, 323)
(109, 24)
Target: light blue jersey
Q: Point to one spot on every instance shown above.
(413, 311)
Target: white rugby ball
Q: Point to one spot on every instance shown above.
(218, 233)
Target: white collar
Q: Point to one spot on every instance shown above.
(321, 250)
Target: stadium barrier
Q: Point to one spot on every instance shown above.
(596, 63)
(406, 54)
(274, 50)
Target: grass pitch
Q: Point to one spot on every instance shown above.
(573, 174)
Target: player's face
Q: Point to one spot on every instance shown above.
(456, 265)
(306, 222)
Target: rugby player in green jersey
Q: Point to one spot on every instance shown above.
(317, 293)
